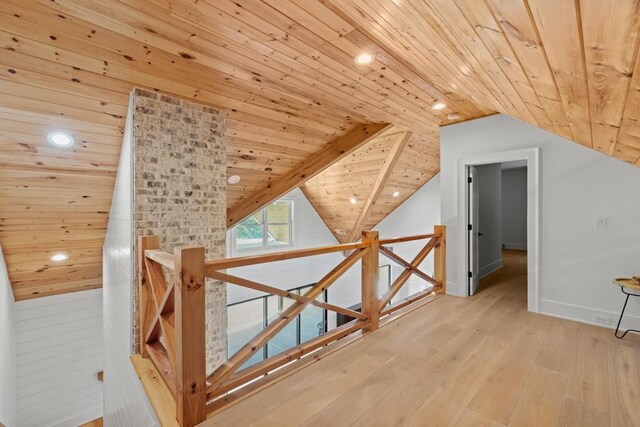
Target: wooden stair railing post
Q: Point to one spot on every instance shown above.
(146, 307)
(440, 257)
(189, 282)
(370, 275)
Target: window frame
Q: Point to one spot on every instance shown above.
(264, 247)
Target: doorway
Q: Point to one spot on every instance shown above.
(497, 228)
(463, 239)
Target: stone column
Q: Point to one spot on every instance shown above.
(180, 191)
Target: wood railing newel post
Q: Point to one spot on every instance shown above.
(146, 307)
(440, 257)
(370, 277)
(189, 282)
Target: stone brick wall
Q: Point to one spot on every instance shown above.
(180, 190)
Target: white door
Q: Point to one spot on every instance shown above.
(474, 216)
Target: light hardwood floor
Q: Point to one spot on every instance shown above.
(480, 361)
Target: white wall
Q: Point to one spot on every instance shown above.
(58, 357)
(490, 218)
(125, 401)
(7, 349)
(416, 215)
(309, 232)
(514, 208)
(578, 184)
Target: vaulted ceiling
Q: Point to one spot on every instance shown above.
(283, 72)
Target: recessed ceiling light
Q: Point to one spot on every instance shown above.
(234, 179)
(439, 106)
(396, 193)
(364, 58)
(58, 257)
(60, 139)
(353, 200)
(453, 116)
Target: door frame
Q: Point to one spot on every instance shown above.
(532, 157)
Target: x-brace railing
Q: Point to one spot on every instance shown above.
(172, 313)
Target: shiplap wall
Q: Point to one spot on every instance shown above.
(58, 357)
(7, 349)
(125, 401)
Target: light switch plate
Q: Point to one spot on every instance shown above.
(601, 223)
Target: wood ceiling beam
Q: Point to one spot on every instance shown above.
(306, 170)
(387, 167)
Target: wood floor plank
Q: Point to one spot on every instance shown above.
(575, 413)
(540, 403)
(294, 411)
(400, 404)
(447, 404)
(559, 345)
(624, 383)
(471, 418)
(589, 378)
(497, 398)
(358, 399)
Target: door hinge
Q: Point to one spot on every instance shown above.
(470, 227)
(469, 180)
(470, 275)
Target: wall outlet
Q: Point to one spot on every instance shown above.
(602, 319)
(601, 223)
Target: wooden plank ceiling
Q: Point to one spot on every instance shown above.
(283, 71)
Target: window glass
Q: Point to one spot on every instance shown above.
(245, 321)
(312, 322)
(271, 227)
(278, 235)
(287, 337)
(250, 232)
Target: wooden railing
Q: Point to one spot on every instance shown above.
(172, 314)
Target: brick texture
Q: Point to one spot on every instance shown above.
(180, 191)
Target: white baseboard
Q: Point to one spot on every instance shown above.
(490, 268)
(586, 314)
(452, 289)
(516, 246)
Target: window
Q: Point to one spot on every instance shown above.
(269, 228)
(247, 318)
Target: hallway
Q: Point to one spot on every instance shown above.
(480, 361)
(512, 277)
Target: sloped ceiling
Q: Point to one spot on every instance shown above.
(283, 71)
(340, 192)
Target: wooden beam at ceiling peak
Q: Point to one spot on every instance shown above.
(387, 167)
(306, 170)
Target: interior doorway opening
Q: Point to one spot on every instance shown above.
(497, 208)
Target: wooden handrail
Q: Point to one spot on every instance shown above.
(163, 258)
(227, 278)
(407, 239)
(223, 264)
(172, 321)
